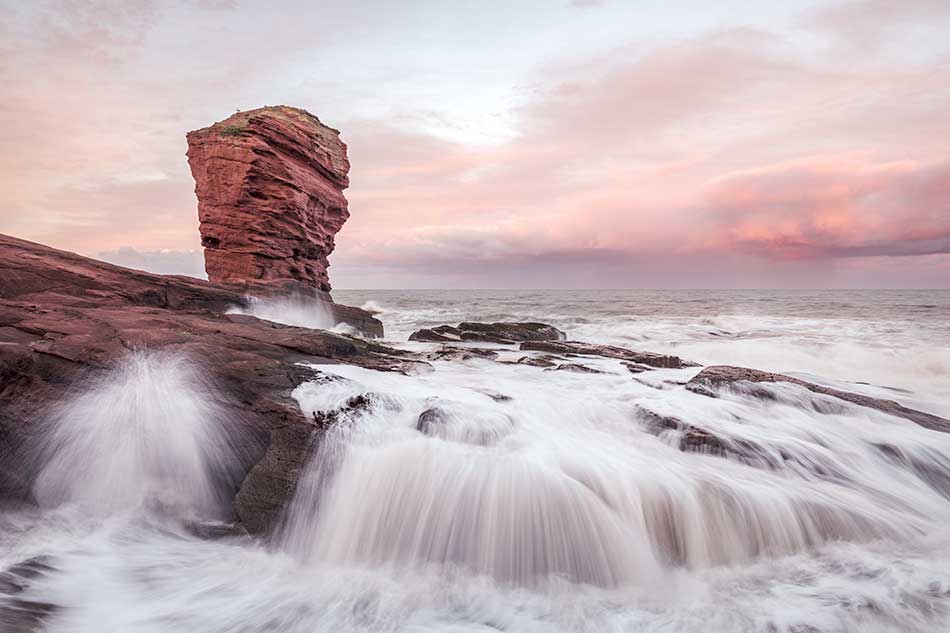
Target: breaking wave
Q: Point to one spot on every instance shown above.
(146, 432)
(492, 495)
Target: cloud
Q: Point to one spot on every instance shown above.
(741, 154)
(868, 26)
(190, 263)
(816, 209)
(726, 146)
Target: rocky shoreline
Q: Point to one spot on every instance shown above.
(64, 318)
(269, 185)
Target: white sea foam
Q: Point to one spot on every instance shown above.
(145, 432)
(532, 500)
(297, 310)
(568, 479)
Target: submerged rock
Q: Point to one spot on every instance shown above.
(576, 368)
(430, 419)
(607, 351)
(497, 397)
(636, 368)
(715, 377)
(353, 406)
(929, 465)
(17, 613)
(446, 422)
(502, 333)
(453, 353)
(544, 360)
(693, 439)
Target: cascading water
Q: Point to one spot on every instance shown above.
(297, 310)
(146, 432)
(488, 495)
(566, 479)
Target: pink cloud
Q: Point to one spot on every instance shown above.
(821, 209)
(722, 145)
(647, 163)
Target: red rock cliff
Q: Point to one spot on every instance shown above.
(270, 197)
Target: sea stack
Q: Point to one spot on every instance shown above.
(270, 198)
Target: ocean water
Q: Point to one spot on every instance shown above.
(486, 495)
(896, 338)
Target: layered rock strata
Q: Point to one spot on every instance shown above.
(270, 198)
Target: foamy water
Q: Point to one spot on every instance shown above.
(490, 496)
(147, 433)
(297, 310)
(893, 338)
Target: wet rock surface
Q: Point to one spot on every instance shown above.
(929, 466)
(636, 368)
(431, 419)
(716, 377)
(578, 348)
(502, 333)
(692, 438)
(65, 318)
(575, 368)
(544, 360)
(352, 406)
(454, 353)
(446, 422)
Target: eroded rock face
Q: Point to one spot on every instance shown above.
(270, 197)
(64, 318)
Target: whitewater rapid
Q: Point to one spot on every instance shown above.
(487, 495)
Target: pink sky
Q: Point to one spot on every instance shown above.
(548, 144)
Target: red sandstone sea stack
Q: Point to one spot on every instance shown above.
(270, 198)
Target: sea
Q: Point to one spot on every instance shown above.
(484, 494)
